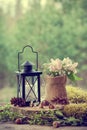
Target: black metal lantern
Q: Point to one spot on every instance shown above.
(27, 67)
(28, 80)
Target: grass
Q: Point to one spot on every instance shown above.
(6, 94)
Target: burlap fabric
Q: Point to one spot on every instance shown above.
(55, 89)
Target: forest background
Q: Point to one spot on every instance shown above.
(54, 28)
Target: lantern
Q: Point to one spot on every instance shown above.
(28, 80)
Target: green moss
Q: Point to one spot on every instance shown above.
(76, 95)
(76, 110)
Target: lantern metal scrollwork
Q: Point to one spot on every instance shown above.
(28, 80)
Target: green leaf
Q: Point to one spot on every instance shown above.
(74, 77)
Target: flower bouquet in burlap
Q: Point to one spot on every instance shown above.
(57, 71)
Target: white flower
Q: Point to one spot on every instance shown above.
(55, 65)
(64, 72)
(67, 61)
(58, 67)
(68, 65)
(68, 73)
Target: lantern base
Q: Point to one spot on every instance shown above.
(31, 103)
(27, 103)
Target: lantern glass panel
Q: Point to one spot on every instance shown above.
(31, 87)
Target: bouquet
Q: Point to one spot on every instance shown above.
(57, 67)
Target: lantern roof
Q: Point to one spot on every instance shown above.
(27, 63)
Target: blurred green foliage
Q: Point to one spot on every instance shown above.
(58, 29)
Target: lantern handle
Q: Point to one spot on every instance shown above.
(22, 52)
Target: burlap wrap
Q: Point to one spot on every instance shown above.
(55, 88)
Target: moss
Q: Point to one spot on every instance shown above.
(76, 95)
(75, 110)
